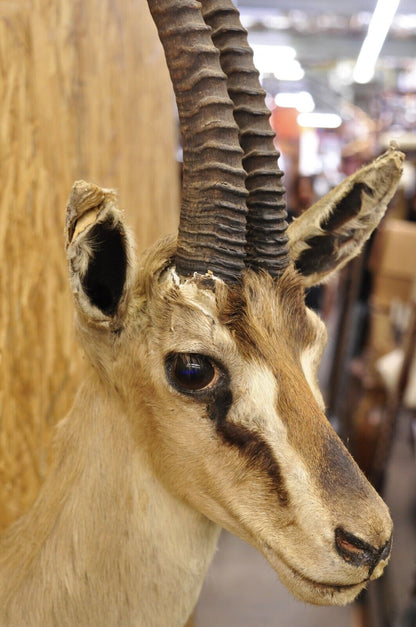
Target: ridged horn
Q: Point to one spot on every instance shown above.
(267, 242)
(213, 211)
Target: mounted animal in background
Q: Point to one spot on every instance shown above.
(201, 408)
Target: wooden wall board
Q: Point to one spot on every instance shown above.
(84, 93)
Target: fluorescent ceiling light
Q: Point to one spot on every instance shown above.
(319, 120)
(278, 60)
(377, 32)
(300, 100)
(310, 162)
(289, 71)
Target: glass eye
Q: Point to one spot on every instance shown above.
(190, 371)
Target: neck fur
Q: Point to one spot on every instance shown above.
(105, 542)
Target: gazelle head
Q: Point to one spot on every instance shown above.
(207, 342)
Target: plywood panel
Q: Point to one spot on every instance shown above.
(84, 93)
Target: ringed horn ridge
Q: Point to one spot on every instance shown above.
(215, 232)
(266, 221)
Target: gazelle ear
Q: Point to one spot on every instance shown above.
(100, 253)
(333, 230)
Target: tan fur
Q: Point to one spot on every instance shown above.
(144, 476)
(105, 544)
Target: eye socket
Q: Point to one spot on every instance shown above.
(190, 372)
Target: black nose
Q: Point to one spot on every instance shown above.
(359, 553)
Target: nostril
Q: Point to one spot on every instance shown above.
(357, 552)
(352, 549)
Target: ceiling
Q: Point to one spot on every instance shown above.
(327, 37)
(316, 7)
(324, 30)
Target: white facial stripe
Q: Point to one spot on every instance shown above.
(309, 367)
(311, 357)
(256, 402)
(255, 408)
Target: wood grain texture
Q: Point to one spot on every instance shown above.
(84, 93)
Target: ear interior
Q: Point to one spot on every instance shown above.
(331, 232)
(106, 273)
(347, 208)
(100, 253)
(323, 249)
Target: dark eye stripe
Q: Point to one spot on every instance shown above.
(251, 445)
(257, 452)
(199, 376)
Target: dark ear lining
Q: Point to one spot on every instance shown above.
(324, 250)
(105, 277)
(331, 232)
(347, 208)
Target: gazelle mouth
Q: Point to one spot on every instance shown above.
(321, 593)
(328, 586)
(310, 590)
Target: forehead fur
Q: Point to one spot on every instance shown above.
(255, 311)
(151, 264)
(261, 309)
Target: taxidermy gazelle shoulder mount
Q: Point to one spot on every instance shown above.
(202, 408)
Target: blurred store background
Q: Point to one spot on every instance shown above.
(340, 79)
